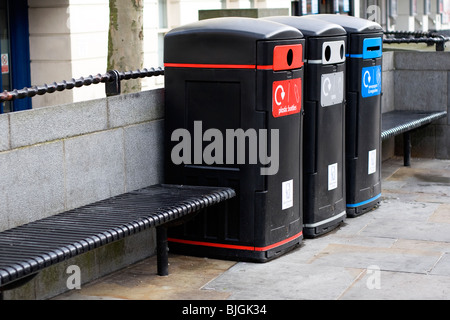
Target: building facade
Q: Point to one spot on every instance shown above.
(43, 41)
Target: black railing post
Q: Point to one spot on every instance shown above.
(112, 87)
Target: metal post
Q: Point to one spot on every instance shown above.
(440, 45)
(162, 251)
(407, 149)
(112, 87)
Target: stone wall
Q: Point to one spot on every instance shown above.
(387, 99)
(58, 158)
(422, 82)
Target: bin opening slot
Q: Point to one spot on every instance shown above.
(373, 48)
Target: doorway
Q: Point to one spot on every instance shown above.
(14, 52)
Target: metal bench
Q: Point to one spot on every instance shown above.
(28, 249)
(403, 122)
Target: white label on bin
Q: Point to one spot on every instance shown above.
(332, 176)
(332, 89)
(287, 197)
(372, 161)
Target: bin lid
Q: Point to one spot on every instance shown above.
(229, 40)
(351, 24)
(309, 26)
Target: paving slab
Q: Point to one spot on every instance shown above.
(281, 280)
(399, 286)
(140, 281)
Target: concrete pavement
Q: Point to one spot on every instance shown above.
(401, 250)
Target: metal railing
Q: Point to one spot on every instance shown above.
(111, 79)
(430, 38)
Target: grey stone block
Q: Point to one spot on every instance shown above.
(46, 124)
(387, 149)
(388, 97)
(135, 108)
(420, 90)
(4, 132)
(423, 143)
(144, 154)
(416, 60)
(443, 142)
(32, 184)
(448, 99)
(94, 167)
(250, 13)
(388, 61)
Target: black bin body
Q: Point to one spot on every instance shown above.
(224, 75)
(324, 123)
(363, 113)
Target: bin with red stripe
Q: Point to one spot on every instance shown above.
(233, 117)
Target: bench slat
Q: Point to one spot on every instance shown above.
(29, 248)
(397, 122)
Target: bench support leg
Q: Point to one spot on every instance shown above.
(162, 251)
(407, 149)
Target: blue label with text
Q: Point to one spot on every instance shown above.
(371, 81)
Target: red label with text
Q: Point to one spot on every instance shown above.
(286, 97)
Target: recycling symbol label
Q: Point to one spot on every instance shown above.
(332, 89)
(286, 97)
(371, 81)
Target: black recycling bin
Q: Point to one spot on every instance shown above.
(363, 113)
(324, 123)
(233, 103)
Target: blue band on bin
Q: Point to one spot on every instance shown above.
(354, 55)
(354, 205)
(372, 48)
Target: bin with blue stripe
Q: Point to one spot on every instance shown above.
(363, 112)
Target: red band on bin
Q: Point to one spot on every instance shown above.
(236, 247)
(217, 66)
